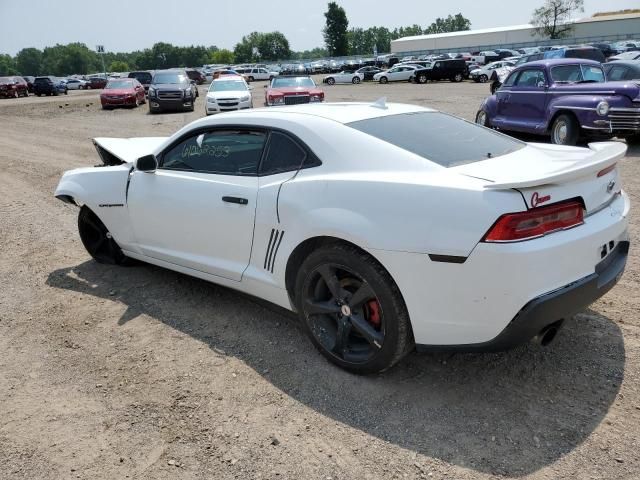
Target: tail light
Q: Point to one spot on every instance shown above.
(535, 223)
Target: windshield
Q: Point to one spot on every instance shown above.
(142, 77)
(284, 82)
(169, 78)
(116, 84)
(577, 74)
(438, 137)
(227, 86)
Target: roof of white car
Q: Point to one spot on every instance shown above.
(344, 112)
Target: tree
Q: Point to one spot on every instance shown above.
(29, 61)
(273, 46)
(223, 56)
(453, 23)
(7, 65)
(335, 30)
(553, 18)
(118, 66)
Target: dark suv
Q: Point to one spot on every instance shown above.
(48, 86)
(171, 90)
(455, 70)
(196, 76)
(144, 78)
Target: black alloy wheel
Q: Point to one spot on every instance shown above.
(331, 81)
(352, 309)
(97, 239)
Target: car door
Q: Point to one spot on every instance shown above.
(522, 106)
(197, 209)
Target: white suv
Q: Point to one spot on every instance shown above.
(253, 74)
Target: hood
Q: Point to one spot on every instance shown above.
(627, 88)
(229, 94)
(126, 150)
(170, 86)
(295, 90)
(118, 91)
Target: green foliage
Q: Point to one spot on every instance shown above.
(335, 31)
(7, 65)
(552, 19)
(29, 62)
(363, 41)
(317, 52)
(223, 56)
(118, 66)
(259, 46)
(453, 23)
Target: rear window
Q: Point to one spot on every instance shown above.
(438, 137)
(142, 77)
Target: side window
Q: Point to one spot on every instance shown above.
(616, 73)
(225, 152)
(283, 155)
(510, 79)
(530, 79)
(566, 73)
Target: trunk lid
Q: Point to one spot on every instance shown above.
(546, 174)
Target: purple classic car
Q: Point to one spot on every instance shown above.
(565, 99)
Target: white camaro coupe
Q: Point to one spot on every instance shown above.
(343, 77)
(387, 227)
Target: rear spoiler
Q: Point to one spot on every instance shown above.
(116, 151)
(604, 155)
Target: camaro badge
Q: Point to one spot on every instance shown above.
(536, 199)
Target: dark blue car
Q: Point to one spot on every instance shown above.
(565, 99)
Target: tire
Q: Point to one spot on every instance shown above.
(331, 81)
(565, 130)
(384, 80)
(483, 78)
(482, 118)
(348, 326)
(38, 94)
(422, 79)
(251, 79)
(457, 78)
(98, 241)
(355, 80)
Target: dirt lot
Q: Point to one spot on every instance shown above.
(139, 372)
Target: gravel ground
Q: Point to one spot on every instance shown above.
(140, 372)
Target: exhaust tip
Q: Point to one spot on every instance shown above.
(548, 333)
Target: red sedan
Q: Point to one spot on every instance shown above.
(121, 92)
(292, 91)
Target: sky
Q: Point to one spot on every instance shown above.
(127, 25)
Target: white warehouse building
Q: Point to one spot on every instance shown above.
(608, 28)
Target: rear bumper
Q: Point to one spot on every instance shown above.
(557, 305)
(473, 301)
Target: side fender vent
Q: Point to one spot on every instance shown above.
(275, 239)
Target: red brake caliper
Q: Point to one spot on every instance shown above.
(374, 313)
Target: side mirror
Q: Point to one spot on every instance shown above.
(148, 163)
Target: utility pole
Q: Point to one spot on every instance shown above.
(100, 50)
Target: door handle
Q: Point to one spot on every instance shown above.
(238, 200)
